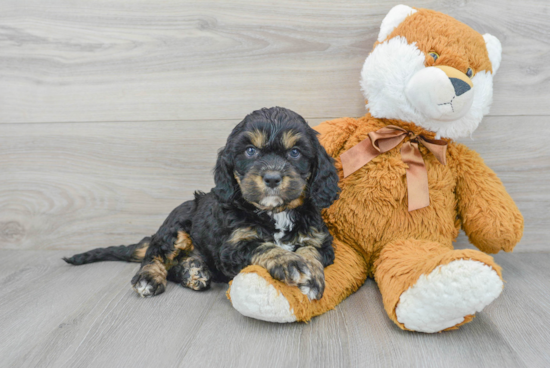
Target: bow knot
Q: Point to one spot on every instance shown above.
(386, 139)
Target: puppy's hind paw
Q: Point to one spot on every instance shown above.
(146, 285)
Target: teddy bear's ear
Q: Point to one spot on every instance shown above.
(494, 49)
(396, 15)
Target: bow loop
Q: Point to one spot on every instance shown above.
(387, 138)
(438, 147)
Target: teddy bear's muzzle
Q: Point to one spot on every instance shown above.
(441, 93)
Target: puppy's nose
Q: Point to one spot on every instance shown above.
(272, 179)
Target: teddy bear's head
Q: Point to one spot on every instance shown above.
(429, 69)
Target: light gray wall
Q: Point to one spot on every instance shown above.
(111, 112)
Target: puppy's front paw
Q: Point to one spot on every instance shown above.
(313, 282)
(147, 284)
(294, 270)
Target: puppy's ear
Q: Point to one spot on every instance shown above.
(323, 184)
(226, 185)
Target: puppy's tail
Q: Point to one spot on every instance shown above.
(125, 253)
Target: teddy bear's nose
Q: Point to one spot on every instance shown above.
(460, 86)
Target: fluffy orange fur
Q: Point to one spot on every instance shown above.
(458, 45)
(374, 233)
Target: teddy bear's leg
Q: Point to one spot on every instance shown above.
(428, 287)
(254, 293)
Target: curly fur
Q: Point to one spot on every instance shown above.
(216, 235)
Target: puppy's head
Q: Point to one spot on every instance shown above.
(274, 161)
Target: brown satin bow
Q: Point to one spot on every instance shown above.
(384, 140)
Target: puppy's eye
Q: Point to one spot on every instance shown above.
(251, 151)
(294, 153)
(434, 54)
(469, 72)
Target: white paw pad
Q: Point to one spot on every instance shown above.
(449, 293)
(143, 288)
(254, 297)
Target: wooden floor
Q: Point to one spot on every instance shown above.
(56, 315)
(111, 114)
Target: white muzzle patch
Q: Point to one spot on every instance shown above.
(271, 201)
(437, 96)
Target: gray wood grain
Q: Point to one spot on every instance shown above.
(83, 185)
(111, 113)
(376, 341)
(56, 315)
(522, 311)
(61, 315)
(41, 295)
(67, 61)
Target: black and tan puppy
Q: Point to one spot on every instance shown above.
(272, 180)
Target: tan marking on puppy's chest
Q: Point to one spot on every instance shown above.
(314, 238)
(243, 234)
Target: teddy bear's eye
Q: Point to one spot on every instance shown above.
(469, 72)
(434, 54)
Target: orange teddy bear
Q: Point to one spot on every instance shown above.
(407, 187)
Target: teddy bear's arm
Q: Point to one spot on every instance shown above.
(333, 134)
(489, 215)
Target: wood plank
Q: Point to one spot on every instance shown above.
(522, 312)
(376, 341)
(252, 343)
(358, 333)
(43, 291)
(77, 186)
(132, 332)
(60, 315)
(127, 174)
(193, 60)
(246, 342)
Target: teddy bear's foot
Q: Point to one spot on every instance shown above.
(447, 295)
(254, 297)
(254, 293)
